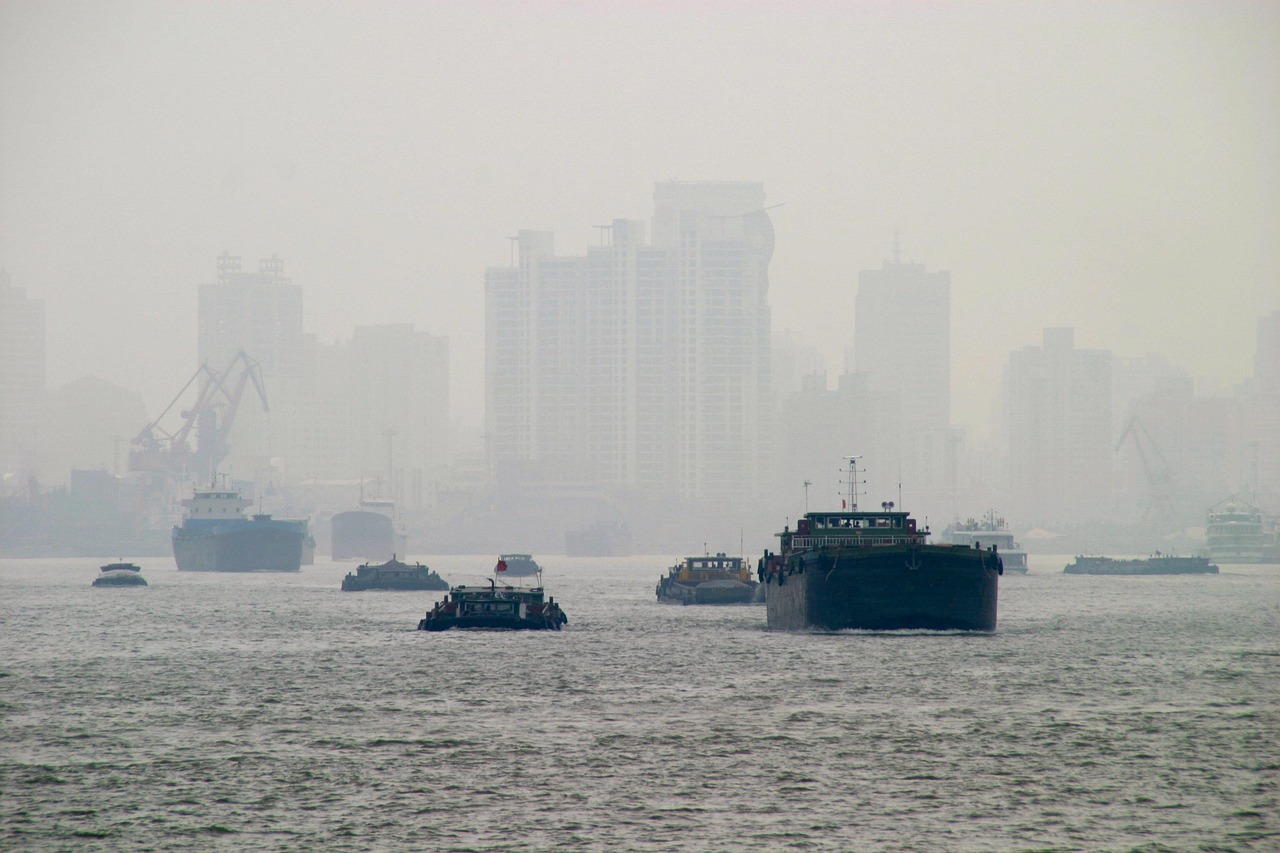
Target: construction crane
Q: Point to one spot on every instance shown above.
(159, 452)
(1154, 466)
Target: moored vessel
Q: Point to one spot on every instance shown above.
(850, 569)
(1160, 564)
(393, 575)
(120, 574)
(215, 536)
(986, 532)
(718, 579)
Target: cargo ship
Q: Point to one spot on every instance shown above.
(718, 579)
(367, 533)
(848, 569)
(988, 531)
(215, 536)
(1160, 564)
(393, 575)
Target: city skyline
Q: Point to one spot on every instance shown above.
(1110, 169)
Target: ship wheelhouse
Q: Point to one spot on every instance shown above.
(853, 530)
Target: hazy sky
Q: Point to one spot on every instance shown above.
(1109, 166)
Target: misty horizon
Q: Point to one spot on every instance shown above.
(1111, 169)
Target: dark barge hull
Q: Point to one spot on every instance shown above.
(363, 535)
(250, 548)
(886, 588)
(489, 624)
(1155, 566)
(711, 593)
(355, 584)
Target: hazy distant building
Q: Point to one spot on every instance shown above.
(1255, 448)
(261, 314)
(640, 366)
(22, 381)
(88, 424)
(902, 344)
(399, 399)
(1056, 404)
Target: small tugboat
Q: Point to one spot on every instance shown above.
(1160, 564)
(393, 575)
(986, 532)
(120, 574)
(709, 580)
(495, 607)
(519, 565)
(847, 569)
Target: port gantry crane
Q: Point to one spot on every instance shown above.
(169, 456)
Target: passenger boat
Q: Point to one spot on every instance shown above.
(718, 579)
(392, 575)
(495, 607)
(120, 574)
(520, 608)
(215, 536)
(1237, 533)
(849, 569)
(988, 531)
(518, 565)
(1160, 564)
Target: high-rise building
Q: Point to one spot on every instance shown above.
(259, 313)
(1056, 404)
(640, 366)
(902, 345)
(22, 377)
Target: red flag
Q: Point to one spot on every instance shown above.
(842, 505)
(501, 567)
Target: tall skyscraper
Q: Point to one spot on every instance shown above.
(22, 377)
(641, 366)
(902, 344)
(261, 314)
(1056, 402)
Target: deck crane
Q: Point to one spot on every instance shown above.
(1156, 469)
(159, 452)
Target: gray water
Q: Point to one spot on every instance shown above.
(270, 712)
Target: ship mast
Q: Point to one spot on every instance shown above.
(854, 482)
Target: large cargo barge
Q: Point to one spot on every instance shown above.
(848, 569)
(215, 536)
(367, 533)
(1160, 564)
(708, 579)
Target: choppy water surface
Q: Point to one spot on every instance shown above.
(268, 712)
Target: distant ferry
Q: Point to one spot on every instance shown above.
(987, 532)
(120, 574)
(518, 565)
(215, 536)
(718, 579)
(393, 575)
(1160, 564)
(1237, 533)
(875, 571)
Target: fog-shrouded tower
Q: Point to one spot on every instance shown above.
(902, 346)
(642, 366)
(261, 314)
(22, 379)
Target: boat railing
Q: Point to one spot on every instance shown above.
(857, 541)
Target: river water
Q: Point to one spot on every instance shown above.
(274, 712)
